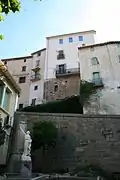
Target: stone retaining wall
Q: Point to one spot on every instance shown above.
(83, 139)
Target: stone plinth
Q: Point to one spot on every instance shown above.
(26, 166)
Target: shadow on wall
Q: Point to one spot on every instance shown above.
(58, 158)
(105, 101)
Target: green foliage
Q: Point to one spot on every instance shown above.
(9, 5)
(1, 37)
(44, 135)
(68, 105)
(2, 135)
(86, 90)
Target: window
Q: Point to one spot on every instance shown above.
(22, 79)
(94, 61)
(39, 54)
(60, 41)
(37, 62)
(61, 55)
(119, 58)
(7, 97)
(35, 87)
(6, 120)
(33, 102)
(20, 106)
(24, 68)
(61, 69)
(55, 88)
(5, 62)
(80, 38)
(97, 79)
(96, 75)
(24, 60)
(92, 48)
(70, 39)
(1, 92)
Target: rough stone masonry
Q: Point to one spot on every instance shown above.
(83, 139)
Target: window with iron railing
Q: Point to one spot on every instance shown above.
(61, 69)
(97, 80)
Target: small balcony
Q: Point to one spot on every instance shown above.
(98, 82)
(67, 72)
(36, 68)
(35, 77)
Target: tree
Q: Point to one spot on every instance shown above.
(7, 6)
(44, 135)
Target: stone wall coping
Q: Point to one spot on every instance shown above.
(69, 115)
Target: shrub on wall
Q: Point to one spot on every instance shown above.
(86, 90)
(68, 105)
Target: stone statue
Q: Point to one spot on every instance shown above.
(27, 144)
(26, 162)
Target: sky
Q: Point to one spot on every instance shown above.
(25, 31)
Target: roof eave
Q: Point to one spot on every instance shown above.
(99, 44)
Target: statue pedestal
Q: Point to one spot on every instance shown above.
(26, 166)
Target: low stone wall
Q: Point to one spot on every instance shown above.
(83, 139)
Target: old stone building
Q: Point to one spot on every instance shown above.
(64, 85)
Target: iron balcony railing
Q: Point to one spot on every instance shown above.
(64, 72)
(35, 77)
(97, 81)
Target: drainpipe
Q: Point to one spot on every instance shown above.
(108, 51)
(46, 65)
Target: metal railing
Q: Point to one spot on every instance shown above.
(67, 71)
(97, 81)
(35, 77)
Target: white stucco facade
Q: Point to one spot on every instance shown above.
(68, 43)
(37, 86)
(106, 100)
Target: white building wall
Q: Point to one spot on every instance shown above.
(70, 51)
(38, 94)
(106, 100)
